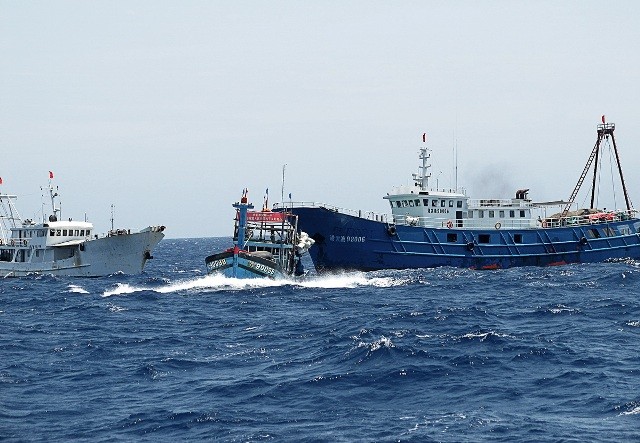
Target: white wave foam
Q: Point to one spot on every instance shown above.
(220, 282)
(382, 342)
(77, 289)
(634, 411)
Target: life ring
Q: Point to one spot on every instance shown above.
(470, 246)
(24, 242)
(391, 230)
(449, 224)
(498, 225)
(583, 241)
(13, 242)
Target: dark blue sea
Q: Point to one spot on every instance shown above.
(451, 355)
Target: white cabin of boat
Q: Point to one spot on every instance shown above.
(420, 204)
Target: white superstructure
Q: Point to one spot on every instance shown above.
(425, 206)
(70, 247)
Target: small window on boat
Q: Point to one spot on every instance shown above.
(443, 203)
(398, 204)
(411, 203)
(58, 232)
(484, 238)
(501, 214)
(42, 233)
(88, 232)
(459, 204)
(434, 202)
(517, 238)
(451, 203)
(481, 213)
(609, 232)
(425, 201)
(417, 200)
(452, 238)
(491, 214)
(470, 214)
(52, 232)
(64, 232)
(77, 232)
(624, 230)
(593, 233)
(522, 214)
(512, 214)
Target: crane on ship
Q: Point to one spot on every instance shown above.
(605, 131)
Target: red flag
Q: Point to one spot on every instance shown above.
(603, 119)
(0, 180)
(50, 174)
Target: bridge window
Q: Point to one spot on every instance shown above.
(417, 200)
(64, 232)
(459, 204)
(434, 202)
(443, 203)
(481, 213)
(58, 232)
(522, 214)
(470, 214)
(501, 214)
(492, 214)
(425, 201)
(451, 203)
(512, 214)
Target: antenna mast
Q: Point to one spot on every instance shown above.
(422, 178)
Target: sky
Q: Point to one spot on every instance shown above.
(168, 109)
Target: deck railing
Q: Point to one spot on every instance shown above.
(474, 223)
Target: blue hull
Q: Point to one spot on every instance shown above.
(243, 265)
(346, 242)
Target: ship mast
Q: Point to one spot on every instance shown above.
(605, 130)
(422, 178)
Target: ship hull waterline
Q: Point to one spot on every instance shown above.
(242, 265)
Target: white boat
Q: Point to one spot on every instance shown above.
(69, 248)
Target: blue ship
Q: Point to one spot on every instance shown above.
(266, 244)
(435, 227)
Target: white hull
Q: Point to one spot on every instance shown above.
(96, 257)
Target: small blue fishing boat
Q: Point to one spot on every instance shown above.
(266, 244)
(431, 227)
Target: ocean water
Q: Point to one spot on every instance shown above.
(530, 354)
